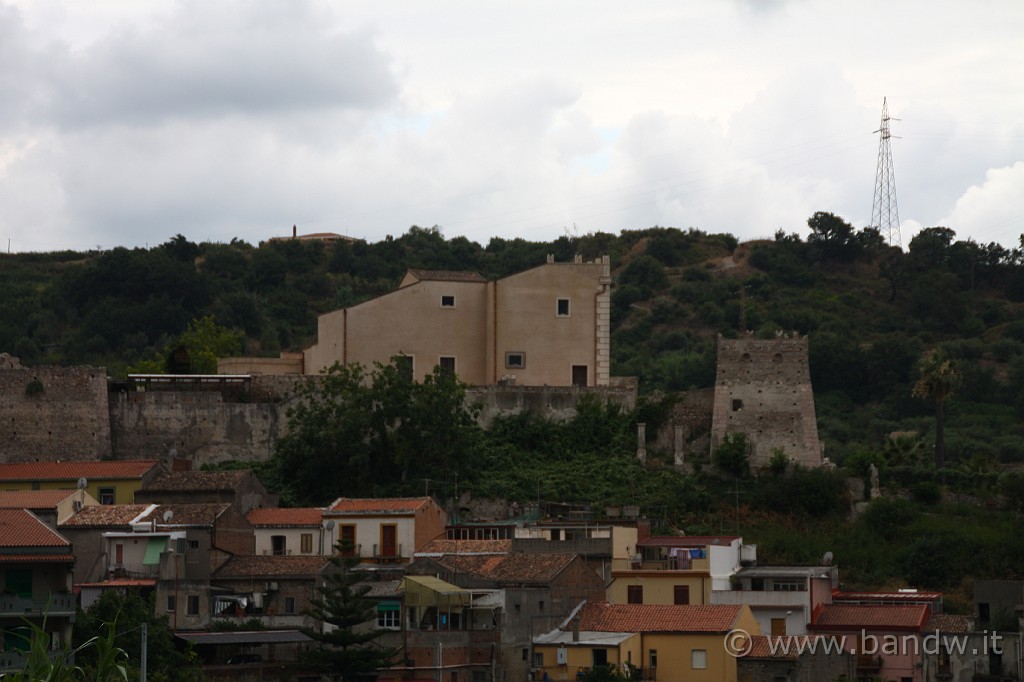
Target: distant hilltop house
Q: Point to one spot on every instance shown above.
(546, 326)
(763, 390)
(315, 237)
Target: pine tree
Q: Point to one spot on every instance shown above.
(342, 651)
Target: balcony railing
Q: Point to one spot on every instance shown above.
(53, 605)
(387, 554)
(123, 570)
(669, 564)
(572, 673)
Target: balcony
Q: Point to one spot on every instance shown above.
(123, 570)
(670, 564)
(388, 555)
(761, 598)
(60, 604)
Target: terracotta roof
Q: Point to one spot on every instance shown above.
(185, 514)
(20, 528)
(444, 546)
(377, 505)
(33, 499)
(605, 617)
(272, 566)
(687, 540)
(105, 516)
(870, 616)
(942, 622)
(198, 481)
(515, 567)
(447, 276)
(902, 597)
(72, 471)
(294, 516)
(36, 558)
(760, 648)
(382, 589)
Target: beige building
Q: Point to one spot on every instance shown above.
(549, 325)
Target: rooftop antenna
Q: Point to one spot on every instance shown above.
(885, 214)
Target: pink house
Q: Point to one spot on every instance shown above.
(888, 639)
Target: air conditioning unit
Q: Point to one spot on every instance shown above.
(76, 505)
(561, 656)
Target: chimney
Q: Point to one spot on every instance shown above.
(295, 231)
(576, 629)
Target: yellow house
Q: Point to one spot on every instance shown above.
(648, 642)
(109, 482)
(546, 326)
(692, 586)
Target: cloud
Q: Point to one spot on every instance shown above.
(993, 210)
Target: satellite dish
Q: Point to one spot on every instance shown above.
(82, 483)
(173, 452)
(827, 559)
(329, 525)
(168, 515)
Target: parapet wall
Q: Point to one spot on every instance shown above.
(53, 413)
(763, 389)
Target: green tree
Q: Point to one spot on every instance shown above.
(938, 379)
(733, 454)
(342, 652)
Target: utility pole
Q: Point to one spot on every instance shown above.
(885, 214)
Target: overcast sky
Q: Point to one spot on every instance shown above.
(125, 122)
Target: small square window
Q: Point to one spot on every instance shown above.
(106, 496)
(193, 544)
(635, 594)
(447, 301)
(562, 307)
(699, 659)
(447, 364)
(515, 360)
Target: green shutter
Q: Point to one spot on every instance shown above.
(153, 549)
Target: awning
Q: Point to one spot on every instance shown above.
(425, 590)
(153, 549)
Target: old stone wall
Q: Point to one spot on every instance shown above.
(53, 413)
(692, 414)
(763, 389)
(554, 402)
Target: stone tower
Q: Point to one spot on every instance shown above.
(763, 389)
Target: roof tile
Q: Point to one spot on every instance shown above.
(202, 515)
(868, 616)
(20, 528)
(33, 499)
(605, 617)
(944, 622)
(377, 505)
(272, 566)
(105, 516)
(73, 470)
(444, 546)
(515, 567)
(285, 516)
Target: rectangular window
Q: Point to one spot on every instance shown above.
(515, 360)
(193, 605)
(447, 301)
(447, 364)
(404, 365)
(652, 658)
(278, 545)
(778, 627)
(389, 618)
(579, 375)
(538, 659)
(171, 603)
(307, 543)
(347, 539)
(289, 605)
(193, 544)
(526, 653)
(562, 307)
(681, 594)
(635, 594)
(600, 657)
(106, 495)
(699, 659)
(479, 676)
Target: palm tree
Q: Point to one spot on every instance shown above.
(937, 382)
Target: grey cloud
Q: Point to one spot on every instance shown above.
(204, 61)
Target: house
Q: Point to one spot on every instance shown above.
(767, 661)
(646, 641)
(50, 506)
(384, 531)
(272, 589)
(36, 564)
(601, 544)
(887, 638)
(955, 649)
(782, 598)
(533, 591)
(109, 482)
(240, 487)
(998, 604)
(92, 532)
(549, 325)
(681, 569)
(290, 531)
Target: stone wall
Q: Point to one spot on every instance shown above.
(554, 402)
(763, 389)
(53, 413)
